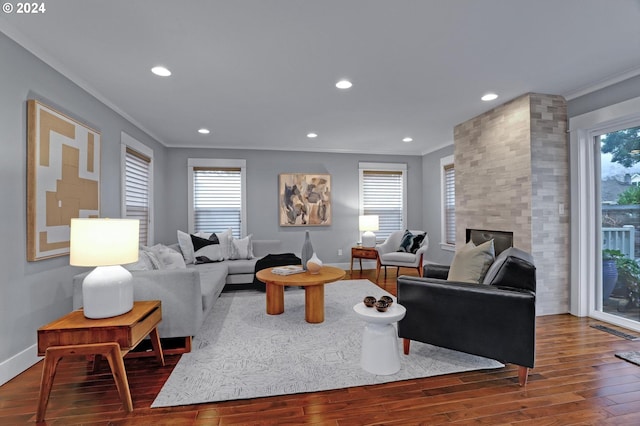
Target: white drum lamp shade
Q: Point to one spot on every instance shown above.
(368, 223)
(105, 243)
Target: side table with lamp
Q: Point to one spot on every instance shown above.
(110, 324)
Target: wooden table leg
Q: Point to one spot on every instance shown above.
(51, 360)
(275, 298)
(314, 303)
(157, 347)
(114, 356)
(111, 351)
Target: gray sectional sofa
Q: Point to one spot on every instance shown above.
(188, 293)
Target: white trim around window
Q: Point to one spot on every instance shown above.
(446, 165)
(194, 163)
(386, 226)
(127, 141)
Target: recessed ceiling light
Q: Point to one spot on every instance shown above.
(407, 139)
(161, 71)
(312, 135)
(344, 84)
(489, 97)
(204, 131)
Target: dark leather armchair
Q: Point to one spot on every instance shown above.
(494, 319)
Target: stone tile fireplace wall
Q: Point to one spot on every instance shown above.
(512, 174)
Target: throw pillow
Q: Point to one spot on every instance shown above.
(150, 258)
(186, 246)
(207, 248)
(143, 263)
(167, 257)
(224, 239)
(411, 243)
(471, 262)
(241, 248)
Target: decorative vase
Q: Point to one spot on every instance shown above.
(609, 277)
(307, 250)
(314, 264)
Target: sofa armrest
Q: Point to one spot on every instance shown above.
(179, 291)
(474, 318)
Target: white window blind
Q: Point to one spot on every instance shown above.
(137, 191)
(217, 199)
(449, 204)
(383, 195)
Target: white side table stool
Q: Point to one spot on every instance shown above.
(380, 348)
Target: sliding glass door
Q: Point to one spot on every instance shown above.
(617, 297)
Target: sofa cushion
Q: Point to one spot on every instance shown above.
(241, 266)
(398, 257)
(471, 262)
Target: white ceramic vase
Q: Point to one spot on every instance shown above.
(314, 264)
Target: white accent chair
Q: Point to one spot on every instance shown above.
(388, 254)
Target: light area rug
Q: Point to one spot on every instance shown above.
(241, 352)
(633, 357)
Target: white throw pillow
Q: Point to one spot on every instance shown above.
(471, 263)
(213, 252)
(241, 248)
(186, 246)
(224, 238)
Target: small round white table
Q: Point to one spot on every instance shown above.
(380, 348)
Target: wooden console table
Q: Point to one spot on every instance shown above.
(113, 338)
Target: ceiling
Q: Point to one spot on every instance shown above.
(261, 74)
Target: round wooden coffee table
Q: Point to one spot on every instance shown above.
(313, 290)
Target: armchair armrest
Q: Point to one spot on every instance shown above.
(434, 270)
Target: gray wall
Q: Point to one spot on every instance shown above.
(263, 168)
(34, 293)
(432, 205)
(616, 93)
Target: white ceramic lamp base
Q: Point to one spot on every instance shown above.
(107, 292)
(368, 239)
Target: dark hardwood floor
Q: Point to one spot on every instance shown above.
(577, 380)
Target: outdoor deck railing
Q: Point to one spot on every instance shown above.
(622, 239)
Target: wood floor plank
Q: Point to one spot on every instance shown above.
(577, 380)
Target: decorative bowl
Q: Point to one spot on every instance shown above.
(369, 301)
(387, 299)
(382, 306)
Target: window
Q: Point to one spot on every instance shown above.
(448, 179)
(216, 196)
(383, 193)
(137, 193)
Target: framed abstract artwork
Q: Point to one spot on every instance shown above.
(304, 199)
(63, 178)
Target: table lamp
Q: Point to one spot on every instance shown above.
(107, 244)
(368, 223)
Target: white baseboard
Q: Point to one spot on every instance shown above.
(18, 363)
